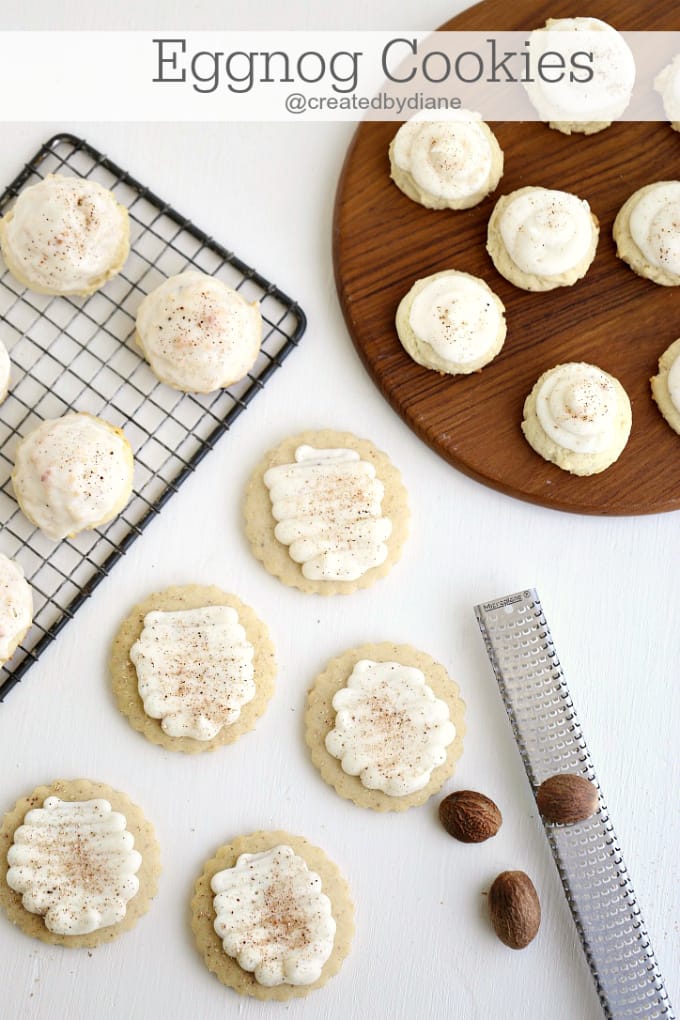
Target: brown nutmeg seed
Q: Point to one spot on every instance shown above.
(566, 798)
(470, 816)
(514, 909)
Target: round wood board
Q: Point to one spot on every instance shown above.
(383, 242)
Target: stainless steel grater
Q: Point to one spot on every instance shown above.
(587, 854)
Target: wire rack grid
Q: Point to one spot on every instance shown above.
(79, 354)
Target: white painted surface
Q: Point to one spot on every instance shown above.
(423, 946)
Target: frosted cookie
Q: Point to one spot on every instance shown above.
(16, 607)
(65, 235)
(666, 385)
(192, 668)
(272, 916)
(326, 512)
(72, 474)
(79, 863)
(540, 239)
(5, 370)
(590, 92)
(647, 232)
(385, 726)
(578, 417)
(451, 322)
(197, 334)
(667, 84)
(448, 164)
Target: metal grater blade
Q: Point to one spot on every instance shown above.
(587, 854)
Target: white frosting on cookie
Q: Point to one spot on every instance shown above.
(654, 225)
(65, 235)
(5, 369)
(390, 729)
(16, 606)
(328, 505)
(72, 473)
(667, 83)
(273, 917)
(457, 316)
(673, 383)
(546, 232)
(194, 669)
(577, 408)
(197, 334)
(450, 159)
(74, 863)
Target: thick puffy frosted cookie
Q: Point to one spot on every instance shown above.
(197, 334)
(326, 512)
(593, 92)
(65, 235)
(666, 385)
(192, 668)
(647, 232)
(5, 370)
(272, 916)
(540, 239)
(16, 607)
(451, 322)
(578, 417)
(667, 84)
(79, 863)
(385, 726)
(448, 164)
(72, 474)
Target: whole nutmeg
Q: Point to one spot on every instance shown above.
(515, 909)
(470, 816)
(566, 798)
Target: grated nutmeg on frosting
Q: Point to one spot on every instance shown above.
(449, 159)
(546, 232)
(577, 407)
(654, 225)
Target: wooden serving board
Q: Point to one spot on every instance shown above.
(383, 242)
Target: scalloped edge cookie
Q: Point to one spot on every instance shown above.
(659, 384)
(628, 251)
(209, 944)
(260, 524)
(145, 843)
(320, 719)
(124, 674)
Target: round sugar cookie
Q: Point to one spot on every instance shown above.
(260, 523)
(320, 720)
(647, 232)
(666, 385)
(16, 607)
(124, 674)
(145, 844)
(226, 968)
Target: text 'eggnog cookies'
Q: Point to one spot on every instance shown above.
(16, 607)
(79, 863)
(65, 235)
(385, 726)
(448, 164)
(198, 334)
(272, 916)
(578, 417)
(539, 238)
(192, 668)
(647, 232)
(72, 474)
(326, 512)
(666, 385)
(451, 322)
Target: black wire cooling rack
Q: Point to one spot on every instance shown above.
(78, 354)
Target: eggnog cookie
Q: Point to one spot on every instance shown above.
(5, 370)
(448, 164)
(16, 607)
(647, 232)
(272, 916)
(667, 84)
(192, 668)
(539, 239)
(72, 474)
(598, 78)
(385, 726)
(65, 235)
(79, 863)
(197, 334)
(326, 512)
(666, 385)
(451, 322)
(578, 417)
